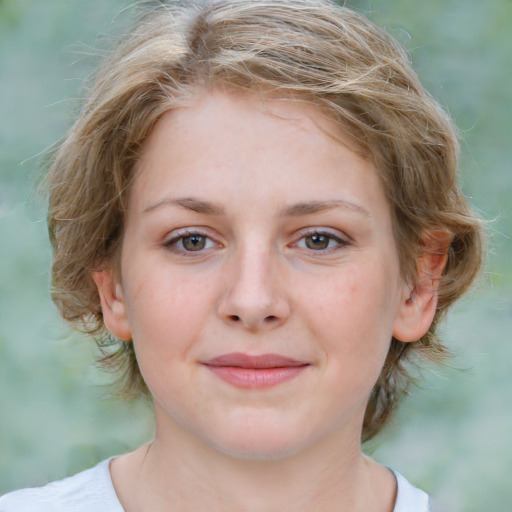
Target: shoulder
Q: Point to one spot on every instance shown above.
(409, 498)
(89, 490)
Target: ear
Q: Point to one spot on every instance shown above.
(112, 303)
(419, 303)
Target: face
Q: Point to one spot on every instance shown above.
(259, 277)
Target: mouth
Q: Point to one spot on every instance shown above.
(255, 372)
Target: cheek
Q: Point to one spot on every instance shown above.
(167, 314)
(354, 320)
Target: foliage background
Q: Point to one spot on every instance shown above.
(453, 436)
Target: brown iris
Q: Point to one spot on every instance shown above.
(317, 242)
(194, 242)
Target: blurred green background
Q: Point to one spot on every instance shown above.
(453, 435)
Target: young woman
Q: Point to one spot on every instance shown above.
(259, 201)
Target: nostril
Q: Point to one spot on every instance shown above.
(270, 318)
(235, 318)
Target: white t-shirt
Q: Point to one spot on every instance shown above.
(92, 491)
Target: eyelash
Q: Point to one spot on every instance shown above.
(340, 242)
(173, 246)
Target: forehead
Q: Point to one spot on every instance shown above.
(259, 146)
(224, 109)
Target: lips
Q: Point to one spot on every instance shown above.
(255, 372)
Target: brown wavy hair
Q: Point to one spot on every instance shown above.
(312, 50)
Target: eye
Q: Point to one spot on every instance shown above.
(189, 242)
(317, 242)
(193, 242)
(320, 241)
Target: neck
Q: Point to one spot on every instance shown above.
(163, 476)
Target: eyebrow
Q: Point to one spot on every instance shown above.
(310, 207)
(189, 203)
(295, 210)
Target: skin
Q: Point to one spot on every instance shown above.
(257, 183)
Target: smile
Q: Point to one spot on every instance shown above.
(255, 372)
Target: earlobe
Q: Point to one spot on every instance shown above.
(419, 301)
(112, 303)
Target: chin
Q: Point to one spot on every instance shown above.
(259, 450)
(260, 442)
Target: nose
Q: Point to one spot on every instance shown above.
(255, 296)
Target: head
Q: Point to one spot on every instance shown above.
(307, 50)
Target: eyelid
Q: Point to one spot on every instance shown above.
(341, 238)
(174, 237)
